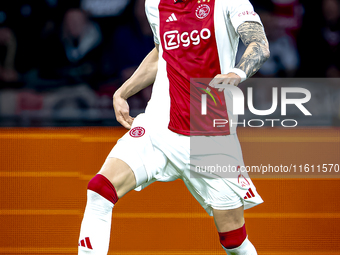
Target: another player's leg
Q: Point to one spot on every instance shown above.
(112, 182)
(231, 228)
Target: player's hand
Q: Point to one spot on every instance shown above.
(122, 111)
(230, 78)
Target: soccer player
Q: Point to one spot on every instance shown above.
(194, 39)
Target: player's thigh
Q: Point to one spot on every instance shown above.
(228, 220)
(119, 174)
(134, 161)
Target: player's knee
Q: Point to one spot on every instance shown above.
(101, 185)
(233, 239)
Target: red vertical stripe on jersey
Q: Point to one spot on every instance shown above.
(190, 51)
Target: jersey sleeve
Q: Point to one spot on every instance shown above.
(151, 11)
(241, 11)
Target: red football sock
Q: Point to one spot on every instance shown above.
(233, 239)
(101, 185)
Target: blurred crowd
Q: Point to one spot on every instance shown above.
(97, 44)
(73, 41)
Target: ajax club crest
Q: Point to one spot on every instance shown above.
(202, 11)
(137, 132)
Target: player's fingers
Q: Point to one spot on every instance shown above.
(224, 81)
(121, 109)
(234, 82)
(212, 83)
(123, 118)
(127, 119)
(130, 120)
(123, 122)
(216, 80)
(235, 79)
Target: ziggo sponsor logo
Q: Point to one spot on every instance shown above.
(173, 39)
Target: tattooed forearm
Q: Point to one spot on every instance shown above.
(252, 32)
(253, 58)
(257, 52)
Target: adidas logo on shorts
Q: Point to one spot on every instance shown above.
(85, 243)
(250, 194)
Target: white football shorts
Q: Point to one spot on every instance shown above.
(209, 166)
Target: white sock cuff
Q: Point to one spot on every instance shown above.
(246, 248)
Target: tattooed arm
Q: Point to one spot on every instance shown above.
(257, 52)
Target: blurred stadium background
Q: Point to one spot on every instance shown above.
(60, 63)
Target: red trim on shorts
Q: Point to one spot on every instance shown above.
(101, 185)
(88, 243)
(82, 243)
(233, 239)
